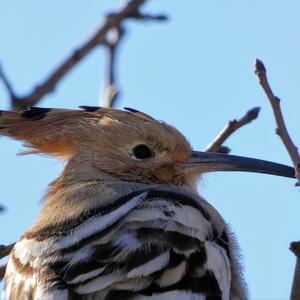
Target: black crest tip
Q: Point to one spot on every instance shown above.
(132, 110)
(35, 113)
(89, 108)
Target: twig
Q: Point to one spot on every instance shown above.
(217, 144)
(282, 131)
(111, 91)
(7, 84)
(114, 36)
(295, 294)
(4, 251)
(129, 11)
(2, 271)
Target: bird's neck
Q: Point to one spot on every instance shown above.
(81, 170)
(80, 188)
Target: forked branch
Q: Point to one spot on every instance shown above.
(281, 129)
(291, 148)
(108, 34)
(131, 10)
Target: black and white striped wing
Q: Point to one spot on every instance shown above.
(152, 244)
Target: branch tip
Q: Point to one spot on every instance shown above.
(160, 18)
(259, 66)
(253, 113)
(295, 248)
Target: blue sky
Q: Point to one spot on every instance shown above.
(195, 72)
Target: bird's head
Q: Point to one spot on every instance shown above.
(126, 145)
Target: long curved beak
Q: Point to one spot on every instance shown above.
(212, 162)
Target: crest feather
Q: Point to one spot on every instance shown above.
(60, 132)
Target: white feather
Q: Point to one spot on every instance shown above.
(29, 283)
(96, 224)
(218, 262)
(192, 219)
(80, 255)
(85, 276)
(99, 283)
(133, 284)
(172, 275)
(26, 250)
(42, 294)
(173, 295)
(128, 241)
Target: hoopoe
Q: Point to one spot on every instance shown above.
(124, 219)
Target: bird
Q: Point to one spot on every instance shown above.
(124, 220)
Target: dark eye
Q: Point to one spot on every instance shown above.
(142, 152)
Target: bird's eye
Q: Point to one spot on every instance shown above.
(142, 152)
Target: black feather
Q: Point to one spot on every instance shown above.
(35, 113)
(89, 108)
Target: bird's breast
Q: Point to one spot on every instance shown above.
(148, 244)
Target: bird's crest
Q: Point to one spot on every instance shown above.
(60, 132)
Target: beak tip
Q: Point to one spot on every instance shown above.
(212, 161)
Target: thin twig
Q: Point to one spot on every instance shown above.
(111, 91)
(2, 272)
(217, 144)
(281, 129)
(114, 37)
(295, 294)
(291, 148)
(129, 11)
(4, 251)
(7, 84)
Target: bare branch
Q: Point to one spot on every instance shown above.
(295, 294)
(229, 129)
(7, 84)
(291, 148)
(2, 271)
(129, 11)
(114, 36)
(111, 92)
(5, 250)
(281, 129)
